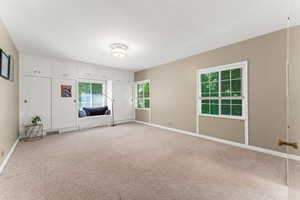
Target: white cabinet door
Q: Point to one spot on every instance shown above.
(121, 76)
(37, 99)
(36, 65)
(64, 109)
(102, 74)
(64, 69)
(123, 105)
(86, 71)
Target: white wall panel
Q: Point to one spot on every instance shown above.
(36, 100)
(123, 105)
(36, 65)
(63, 69)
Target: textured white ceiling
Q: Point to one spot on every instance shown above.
(156, 31)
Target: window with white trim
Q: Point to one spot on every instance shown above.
(222, 91)
(142, 95)
(90, 94)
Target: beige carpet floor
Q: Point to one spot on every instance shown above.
(137, 162)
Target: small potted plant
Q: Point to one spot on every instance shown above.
(36, 120)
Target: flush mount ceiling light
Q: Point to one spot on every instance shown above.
(118, 50)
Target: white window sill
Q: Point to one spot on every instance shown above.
(148, 109)
(223, 116)
(95, 116)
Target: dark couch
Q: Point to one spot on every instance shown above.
(87, 112)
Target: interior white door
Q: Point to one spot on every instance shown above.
(64, 104)
(123, 105)
(37, 99)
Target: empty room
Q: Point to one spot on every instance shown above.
(150, 100)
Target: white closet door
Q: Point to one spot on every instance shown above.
(64, 104)
(123, 106)
(37, 99)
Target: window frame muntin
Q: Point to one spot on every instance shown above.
(143, 98)
(244, 90)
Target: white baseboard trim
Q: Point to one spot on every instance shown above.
(236, 144)
(293, 157)
(78, 128)
(124, 121)
(5, 161)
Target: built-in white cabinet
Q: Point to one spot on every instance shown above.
(41, 79)
(123, 105)
(64, 69)
(87, 71)
(36, 66)
(121, 76)
(36, 100)
(64, 107)
(61, 68)
(103, 74)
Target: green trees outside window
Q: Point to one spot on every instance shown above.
(90, 95)
(221, 92)
(143, 95)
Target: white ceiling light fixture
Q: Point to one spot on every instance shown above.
(118, 50)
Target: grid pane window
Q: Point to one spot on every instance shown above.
(143, 95)
(221, 92)
(210, 84)
(97, 98)
(141, 103)
(146, 90)
(214, 107)
(90, 95)
(232, 107)
(231, 83)
(205, 108)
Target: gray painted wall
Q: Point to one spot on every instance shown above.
(173, 91)
(9, 99)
